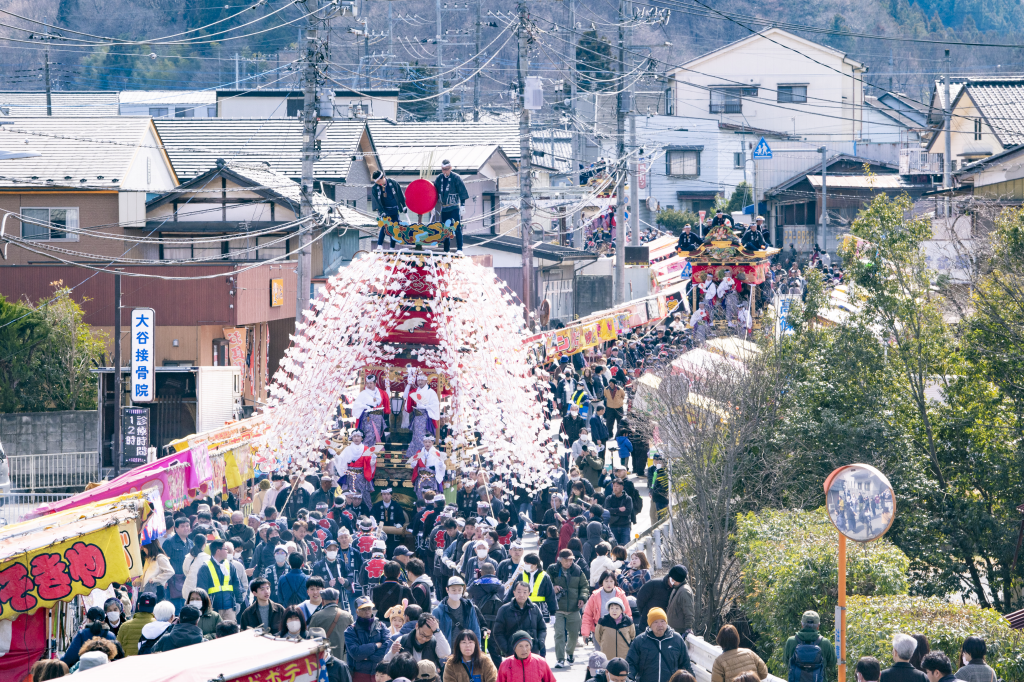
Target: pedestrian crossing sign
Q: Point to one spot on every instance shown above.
(762, 151)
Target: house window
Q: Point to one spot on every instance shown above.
(242, 248)
(211, 112)
(683, 163)
(157, 112)
(267, 250)
(184, 112)
(668, 102)
(792, 94)
(977, 129)
(47, 224)
(739, 159)
(729, 100)
(294, 106)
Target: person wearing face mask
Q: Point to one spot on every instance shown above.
(294, 626)
(262, 613)
(352, 563)
(114, 612)
(239, 568)
(572, 425)
(475, 559)
(277, 569)
(209, 619)
(542, 592)
(328, 568)
(584, 440)
(456, 613)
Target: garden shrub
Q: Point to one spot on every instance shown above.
(789, 565)
(872, 621)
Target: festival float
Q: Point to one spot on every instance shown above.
(721, 258)
(405, 345)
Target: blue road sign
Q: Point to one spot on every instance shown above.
(762, 151)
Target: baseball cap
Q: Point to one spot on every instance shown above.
(597, 662)
(810, 619)
(401, 550)
(617, 666)
(189, 614)
(147, 600)
(363, 602)
(456, 580)
(428, 670)
(92, 659)
(331, 543)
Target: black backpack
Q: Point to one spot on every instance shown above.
(489, 609)
(807, 664)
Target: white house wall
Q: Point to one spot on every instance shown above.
(834, 100)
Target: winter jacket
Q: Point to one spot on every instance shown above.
(449, 628)
(598, 430)
(250, 618)
(565, 534)
(654, 593)
(511, 618)
(548, 552)
(323, 619)
(225, 599)
(575, 587)
(572, 425)
(421, 589)
(731, 664)
(591, 464)
(456, 670)
(379, 197)
(593, 540)
(361, 651)
(614, 638)
(810, 636)
(632, 579)
(389, 593)
(84, 635)
(179, 636)
(129, 633)
(532, 669)
(482, 593)
(655, 659)
(619, 518)
(291, 589)
(426, 652)
(592, 611)
(151, 634)
(680, 609)
(208, 623)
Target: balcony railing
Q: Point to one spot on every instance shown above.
(917, 162)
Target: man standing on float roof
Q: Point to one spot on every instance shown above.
(451, 196)
(388, 201)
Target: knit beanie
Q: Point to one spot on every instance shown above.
(520, 635)
(656, 614)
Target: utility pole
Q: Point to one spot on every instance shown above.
(824, 196)
(391, 44)
(525, 162)
(46, 75)
(440, 68)
(634, 185)
(115, 450)
(366, 48)
(947, 161)
(236, 71)
(476, 66)
(310, 111)
(620, 175)
(576, 156)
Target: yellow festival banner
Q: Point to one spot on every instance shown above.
(57, 573)
(606, 329)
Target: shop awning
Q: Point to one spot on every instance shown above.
(699, 362)
(662, 246)
(733, 348)
(246, 657)
(57, 557)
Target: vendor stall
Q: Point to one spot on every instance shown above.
(246, 657)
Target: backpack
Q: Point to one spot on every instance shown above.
(807, 664)
(489, 609)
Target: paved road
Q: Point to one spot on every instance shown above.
(578, 672)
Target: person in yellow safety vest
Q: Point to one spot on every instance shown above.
(542, 591)
(219, 580)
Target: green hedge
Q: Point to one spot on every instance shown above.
(789, 565)
(872, 621)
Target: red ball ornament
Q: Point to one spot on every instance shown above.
(420, 196)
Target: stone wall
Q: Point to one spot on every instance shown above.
(31, 433)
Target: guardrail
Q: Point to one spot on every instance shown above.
(56, 470)
(15, 505)
(702, 659)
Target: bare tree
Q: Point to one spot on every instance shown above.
(710, 427)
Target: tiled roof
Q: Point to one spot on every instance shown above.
(167, 97)
(387, 133)
(406, 160)
(553, 148)
(1001, 103)
(63, 104)
(195, 144)
(74, 151)
(891, 112)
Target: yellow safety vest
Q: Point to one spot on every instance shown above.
(217, 586)
(535, 585)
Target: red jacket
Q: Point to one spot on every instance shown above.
(532, 669)
(565, 534)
